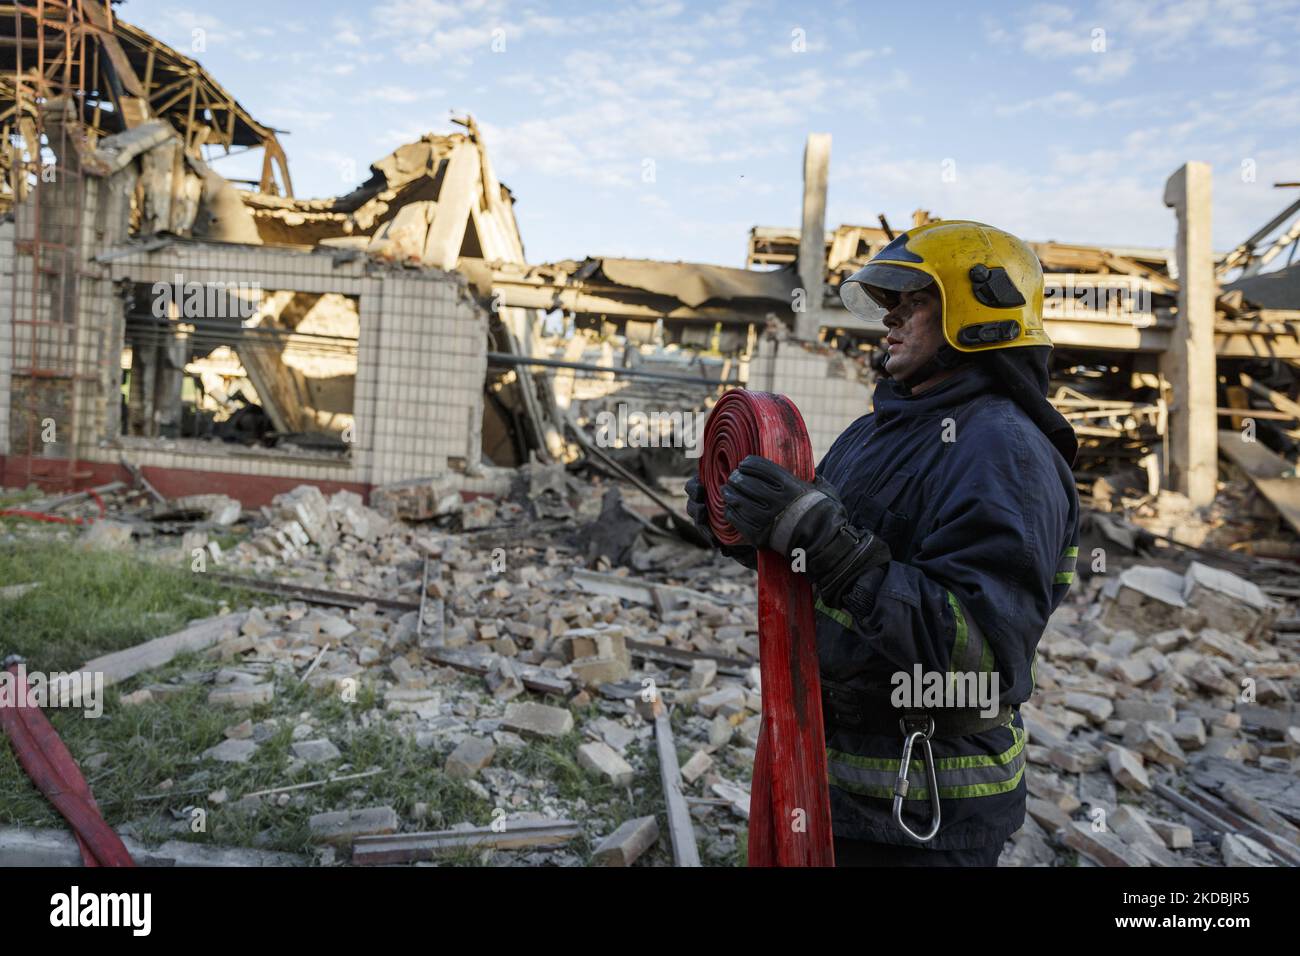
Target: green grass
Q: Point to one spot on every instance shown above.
(92, 602)
(12, 498)
(160, 741)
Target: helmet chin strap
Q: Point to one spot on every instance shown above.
(944, 359)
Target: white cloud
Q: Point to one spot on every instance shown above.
(858, 57)
(1106, 67)
(294, 119)
(1046, 40)
(1060, 103)
(187, 31)
(345, 32)
(400, 95)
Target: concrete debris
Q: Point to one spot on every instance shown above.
(470, 756)
(241, 695)
(1240, 850)
(316, 751)
(1134, 828)
(1177, 836)
(23, 847)
(697, 766)
(416, 500)
(516, 834)
(602, 760)
(1160, 672)
(344, 826)
(232, 751)
(1149, 674)
(1102, 847)
(626, 844)
(221, 510)
(538, 720)
(107, 536)
(352, 517)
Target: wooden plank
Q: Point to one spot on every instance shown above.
(1264, 468)
(1279, 400)
(680, 830)
(1284, 850)
(121, 665)
(537, 679)
(1285, 496)
(458, 193)
(320, 596)
(1237, 411)
(731, 666)
(1255, 458)
(412, 847)
(638, 591)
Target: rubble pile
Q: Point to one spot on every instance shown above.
(1154, 681)
(519, 642)
(1163, 729)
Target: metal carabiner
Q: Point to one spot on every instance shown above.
(901, 784)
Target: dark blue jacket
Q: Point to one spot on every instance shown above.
(981, 516)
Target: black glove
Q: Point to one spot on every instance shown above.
(697, 506)
(773, 509)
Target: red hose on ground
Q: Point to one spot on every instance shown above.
(47, 761)
(789, 806)
(56, 519)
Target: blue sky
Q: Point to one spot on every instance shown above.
(1055, 121)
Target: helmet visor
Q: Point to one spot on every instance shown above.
(877, 286)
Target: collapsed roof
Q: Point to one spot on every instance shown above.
(430, 202)
(123, 78)
(1270, 290)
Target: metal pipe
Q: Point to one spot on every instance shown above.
(506, 360)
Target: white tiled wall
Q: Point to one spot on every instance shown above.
(421, 362)
(823, 386)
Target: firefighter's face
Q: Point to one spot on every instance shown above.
(915, 331)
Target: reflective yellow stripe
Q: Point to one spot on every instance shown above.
(839, 617)
(963, 632)
(974, 775)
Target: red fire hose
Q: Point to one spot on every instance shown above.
(789, 806)
(55, 519)
(47, 761)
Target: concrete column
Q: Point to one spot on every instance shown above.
(1189, 365)
(812, 235)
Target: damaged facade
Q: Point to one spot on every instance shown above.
(260, 334)
(151, 309)
(307, 392)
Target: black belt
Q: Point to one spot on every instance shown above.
(858, 711)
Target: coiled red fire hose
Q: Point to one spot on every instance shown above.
(789, 806)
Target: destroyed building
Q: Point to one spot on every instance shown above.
(156, 313)
(247, 359)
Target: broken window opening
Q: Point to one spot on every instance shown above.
(230, 363)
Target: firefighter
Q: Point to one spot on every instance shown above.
(939, 536)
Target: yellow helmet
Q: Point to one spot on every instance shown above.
(990, 283)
